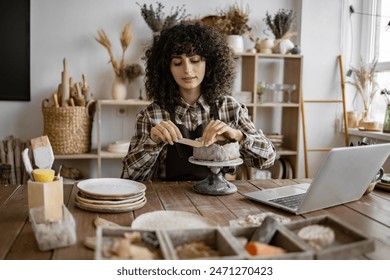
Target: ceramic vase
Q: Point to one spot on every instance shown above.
(119, 89)
(236, 42)
(283, 46)
(386, 123)
(265, 46)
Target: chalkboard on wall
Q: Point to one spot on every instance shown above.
(15, 50)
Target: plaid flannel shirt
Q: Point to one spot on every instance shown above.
(146, 159)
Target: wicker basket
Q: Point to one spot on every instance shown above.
(69, 128)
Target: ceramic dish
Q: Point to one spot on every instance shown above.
(383, 186)
(81, 197)
(110, 208)
(111, 187)
(233, 162)
(119, 147)
(369, 129)
(116, 197)
(171, 220)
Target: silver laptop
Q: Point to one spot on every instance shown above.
(343, 177)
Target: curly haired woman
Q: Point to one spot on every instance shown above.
(189, 76)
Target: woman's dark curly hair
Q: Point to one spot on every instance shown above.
(188, 39)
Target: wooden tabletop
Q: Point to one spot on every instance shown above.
(370, 215)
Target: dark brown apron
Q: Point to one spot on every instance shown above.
(178, 168)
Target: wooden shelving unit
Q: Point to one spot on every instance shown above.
(99, 153)
(285, 117)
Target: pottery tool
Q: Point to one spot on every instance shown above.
(55, 100)
(265, 231)
(190, 142)
(65, 86)
(85, 89)
(43, 152)
(27, 163)
(79, 98)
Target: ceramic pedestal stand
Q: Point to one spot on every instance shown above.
(215, 183)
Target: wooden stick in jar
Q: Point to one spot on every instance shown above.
(72, 88)
(55, 100)
(79, 99)
(59, 94)
(85, 89)
(65, 86)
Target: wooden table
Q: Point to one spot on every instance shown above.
(370, 215)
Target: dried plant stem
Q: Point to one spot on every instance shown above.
(125, 39)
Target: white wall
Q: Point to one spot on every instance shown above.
(322, 40)
(67, 29)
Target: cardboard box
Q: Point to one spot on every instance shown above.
(48, 195)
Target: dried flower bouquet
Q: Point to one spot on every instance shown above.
(231, 21)
(129, 72)
(364, 80)
(281, 23)
(155, 17)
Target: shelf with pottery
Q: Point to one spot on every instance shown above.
(254, 69)
(369, 134)
(118, 150)
(91, 155)
(100, 153)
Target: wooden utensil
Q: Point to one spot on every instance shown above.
(43, 152)
(65, 86)
(85, 89)
(190, 142)
(79, 98)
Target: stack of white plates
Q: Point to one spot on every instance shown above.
(110, 195)
(119, 147)
(282, 169)
(276, 139)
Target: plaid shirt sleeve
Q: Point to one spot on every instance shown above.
(256, 149)
(142, 160)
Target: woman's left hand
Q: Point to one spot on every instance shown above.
(217, 130)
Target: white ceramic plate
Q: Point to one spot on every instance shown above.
(110, 208)
(111, 187)
(383, 186)
(171, 220)
(81, 197)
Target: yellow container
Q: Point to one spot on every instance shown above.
(49, 195)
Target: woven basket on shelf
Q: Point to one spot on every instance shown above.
(69, 128)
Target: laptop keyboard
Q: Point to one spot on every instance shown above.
(291, 201)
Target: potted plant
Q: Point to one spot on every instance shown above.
(122, 71)
(156, 19)
(280, 25)
(364, 81)
(232, 21)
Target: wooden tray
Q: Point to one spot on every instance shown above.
(348, 241)
(282, 238)
(105, 236)
(215, 238)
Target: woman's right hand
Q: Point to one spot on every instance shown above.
(165, 131)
